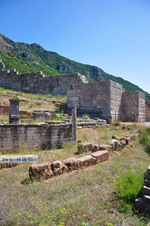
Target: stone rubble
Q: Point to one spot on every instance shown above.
(99, 153)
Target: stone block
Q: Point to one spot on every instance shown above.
(72, 163)
(85, 147)
(100, 156)
(58, 167)
(39, 171)
(107, 147)
(123, 142)
(8, 165)
(87, 160)
(95, 148)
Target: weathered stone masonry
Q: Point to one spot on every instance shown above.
(33, 136)
(36, 82)
(107, 100)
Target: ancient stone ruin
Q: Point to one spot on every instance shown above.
(106, 99)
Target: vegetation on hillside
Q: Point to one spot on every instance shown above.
(32, 57)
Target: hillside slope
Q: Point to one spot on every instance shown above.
(32, 57)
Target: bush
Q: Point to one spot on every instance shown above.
(129, 185)
(58, 117)
(86, 116)
(49, 95)
(144, 138)
(113, 123)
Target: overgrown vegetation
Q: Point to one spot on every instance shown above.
(79, 198)
(129, 185)
(86, 116)
(58, 117)
(144, 138)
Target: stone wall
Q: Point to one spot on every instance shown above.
(32, 136)
(36, 82)
(107, 100)
(97, 99)
(133, 107)
(147, 112)
(116, 91)
(90, 99)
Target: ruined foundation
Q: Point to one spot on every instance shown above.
(33, 136)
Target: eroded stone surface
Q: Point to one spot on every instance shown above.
(72, 163)
(87, 160)
(58, 167)
(85, 147)
(40, 170)
(100, 156)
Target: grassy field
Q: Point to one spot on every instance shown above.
(30, 102)
(81, 198)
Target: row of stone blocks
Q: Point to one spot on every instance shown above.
(115, 144)
(143, 203)
(47, 170)
(99, 154)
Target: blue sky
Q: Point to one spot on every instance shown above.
(111, 34)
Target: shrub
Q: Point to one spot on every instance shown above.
(86, 116)
(117, 123)
(49, 95)
(58, 117)
(129, 185)
(1, 89)
(144, 138)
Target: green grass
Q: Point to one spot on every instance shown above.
(86, 197)
(144, 138)
(58, 117)
(129, 185)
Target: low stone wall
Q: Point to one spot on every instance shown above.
(32, 136)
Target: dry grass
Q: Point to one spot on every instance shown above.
(81, 198)
(30, 102)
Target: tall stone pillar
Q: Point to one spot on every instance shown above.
(14, 111)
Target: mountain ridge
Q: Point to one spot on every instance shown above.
(33, 57)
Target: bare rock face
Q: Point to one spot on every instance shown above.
(85, 147)
(40, 170)
(100, 156)
(58, 167)
(72, 163)
(87, 160)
